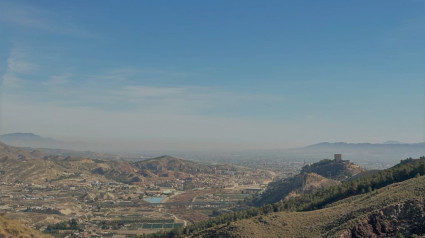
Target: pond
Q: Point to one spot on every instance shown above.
(154, 199)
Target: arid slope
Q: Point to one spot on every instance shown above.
(397, 209)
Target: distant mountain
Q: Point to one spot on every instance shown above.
(393, 142)
(361, 153)
(363, 145)
(31, 141)
(21, 136)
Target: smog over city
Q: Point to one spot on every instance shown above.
(212, 118)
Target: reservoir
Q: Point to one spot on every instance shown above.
(154, 199)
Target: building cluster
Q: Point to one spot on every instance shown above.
(106, 207)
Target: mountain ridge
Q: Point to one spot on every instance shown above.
(34, 166)
(34, 141)
(387, 143)
(363, 215)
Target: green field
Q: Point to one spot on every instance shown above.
(158, 225)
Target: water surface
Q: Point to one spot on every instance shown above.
(154, 199)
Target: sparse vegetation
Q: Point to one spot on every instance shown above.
(72, 224)
(11, 228)
(407, 169)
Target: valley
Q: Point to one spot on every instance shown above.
(117, 197)
(212, 119)
(77, 196)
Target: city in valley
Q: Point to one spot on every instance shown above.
(212, 119)
(87, 197)
(64, 193)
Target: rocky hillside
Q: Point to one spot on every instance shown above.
(399, 220)
(11, 228)
(393, 211)
(370, 202)
(333, 169)
(293, 186)
(323, 174)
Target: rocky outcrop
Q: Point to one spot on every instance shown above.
(334, 169)
(294, 186)
(401, 220)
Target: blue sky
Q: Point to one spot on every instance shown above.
(214, 74)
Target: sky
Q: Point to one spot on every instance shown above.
(214, 74)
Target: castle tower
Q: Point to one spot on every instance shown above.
(338, 157)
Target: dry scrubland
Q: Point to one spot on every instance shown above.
(12, 228)
(338, 219)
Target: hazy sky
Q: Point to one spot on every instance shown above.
(214, 74)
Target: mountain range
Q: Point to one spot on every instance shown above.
(35, 141)
(389, 153)
(365, 154)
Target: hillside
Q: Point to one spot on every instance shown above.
(11, 228)
(323, 174)
(370, 206)
(397, 209)
(293, 186)
(116, 170)
(19, 165)
(333, 169)
(170, 167)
